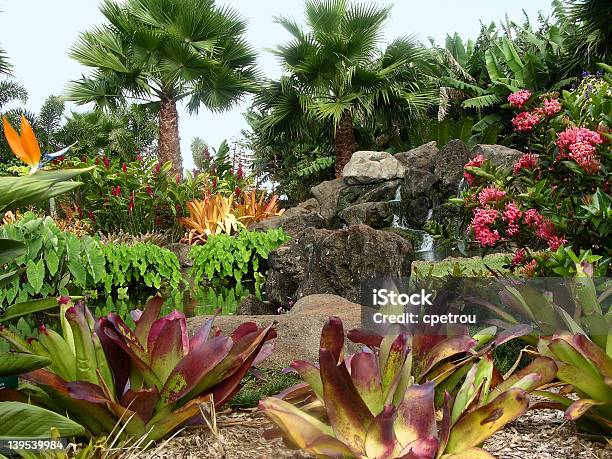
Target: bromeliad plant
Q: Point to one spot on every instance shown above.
(210, 216)
(368, 405)
(150, 380)
(253, 209)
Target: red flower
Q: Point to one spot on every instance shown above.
(525, 121)
(519, 257)
(519, 98)
(124, 167)
(177, 178)
(106, 162)
(527, 161)
(481, 224)
(91, 216)
(490, 195)
(131, 204)
(530, 269)
(139, 157)
(478, 161)
(551, 107)
(240, 173)
(156, 169)
(63, 300)
(237, 191)
(116, 191)
(149, 191)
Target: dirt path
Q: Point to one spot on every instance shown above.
(537, 435)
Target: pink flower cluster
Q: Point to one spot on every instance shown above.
(481, 224)
(520, 98)
(526, 121)
(544, 229)
(511, 215)
(551, 107)
(475, 162)
(528, 161)
(580, 144)
(490, 195)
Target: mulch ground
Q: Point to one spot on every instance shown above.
(536, 435)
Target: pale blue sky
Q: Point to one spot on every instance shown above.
(37, 34)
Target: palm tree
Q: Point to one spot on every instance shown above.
(591, 41)
(336, 74)
(165, 51)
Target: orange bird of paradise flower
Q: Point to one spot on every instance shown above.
(25, 146)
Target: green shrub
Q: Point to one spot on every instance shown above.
(131, 266)
(60, 263)
(233, 258)
(55, 263)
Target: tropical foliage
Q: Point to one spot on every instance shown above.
(165, 51)
(150, 380)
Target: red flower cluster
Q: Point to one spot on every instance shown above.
(580, 144)
(106, 162)
(481, 224)
(124, 167)
(116, 191)
(511, 216)
(475, 162)
(526, 121)
(544, 229)
(520, 98)
(240, 173)
(527, 161)
(551, 107)
(131, 203)
(490, 195)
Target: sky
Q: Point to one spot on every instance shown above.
(37, 35)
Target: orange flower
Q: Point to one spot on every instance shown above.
(26, 146)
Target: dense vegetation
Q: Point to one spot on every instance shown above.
(107, 245)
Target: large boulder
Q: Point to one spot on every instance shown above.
(423, 157)
(334, 262)
(449, 165)
(417, 182)
(374, 214)
(299, 331)
(372, 167)
(293, 221)
(326, 194)
(373, 192)
(499, 155)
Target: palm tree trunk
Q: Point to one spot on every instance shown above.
(169, 140)
(345, 142)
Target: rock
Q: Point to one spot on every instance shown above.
(311, 205)
(253, 306)
(182, 253)
(449, 165)
(372, 167)
(293, 221)
(374, 214)
(374, 192)
(423, 157)
(416, 211)
(499, 155)
(334, 262)
(326, 194)
(417, 182)
(299, 332)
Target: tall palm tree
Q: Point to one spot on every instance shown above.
(165, 51)
(335, 73)
(591, 41)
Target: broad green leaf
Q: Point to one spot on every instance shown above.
(23, 421)
(52, 261)
(11, 249)
(15, 363)
(22, 309)
(36, 274)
